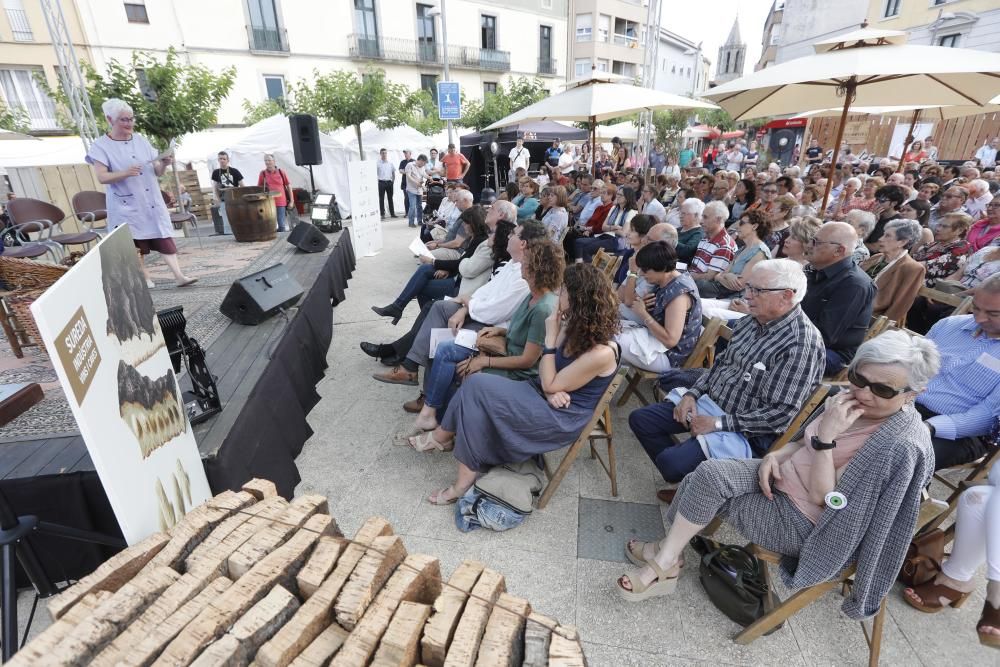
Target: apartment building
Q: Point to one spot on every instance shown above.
(967, 24)
(25, 52)
(274, 43)
(682, 67)
(608, 36)
(794, 26)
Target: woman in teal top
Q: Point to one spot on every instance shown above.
(542, 268)
(526, 202)
(754, 227)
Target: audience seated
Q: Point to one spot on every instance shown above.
(801, 232)
(863, 223)
(780, 215)
(555, 217)
(759, 382)
(452, 245)
(493, 420)
(952, 201)
(437, 278)
(867, 444)
(650, 205)
(944, 256)
(753, 228)
(962, 401)
(888, 200)
(977, 539)
(985, 231)
(635, 238)
(897, 276)
(660, 336)
(542, 269)
(590, 233)
(840, 296)
(527, 201)
(690, 232)
(716, 249)
(493, 304)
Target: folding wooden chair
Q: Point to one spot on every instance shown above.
(606, 262)
(698, 358)
(805, 412)
(961, 304)
(598, 428)
(978, 471)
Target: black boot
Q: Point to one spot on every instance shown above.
(377, 351)
(392, 310)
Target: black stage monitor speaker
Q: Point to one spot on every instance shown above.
(307, 237)
(254, 298)
(305, 139)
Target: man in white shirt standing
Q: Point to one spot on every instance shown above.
(415, 175)
(979, 197)
(519, 156)
(386, 177)
(987, 153)
(567, 161)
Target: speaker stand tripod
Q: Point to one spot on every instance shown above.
(14, 544)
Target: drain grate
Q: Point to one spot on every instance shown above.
(606, 525)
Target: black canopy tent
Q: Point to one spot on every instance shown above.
(538, 135)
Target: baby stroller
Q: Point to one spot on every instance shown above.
(435, 195)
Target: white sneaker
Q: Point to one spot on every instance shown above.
(150, 284)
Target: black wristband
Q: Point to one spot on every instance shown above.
(819, 445)
(548, 350)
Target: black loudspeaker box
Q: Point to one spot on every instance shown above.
(308, 238)
(259, 296)
(305, 139)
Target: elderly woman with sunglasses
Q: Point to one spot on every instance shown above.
(867, 446)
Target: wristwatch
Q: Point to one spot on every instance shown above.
(819, 445)
(548, 350)
(717, 423)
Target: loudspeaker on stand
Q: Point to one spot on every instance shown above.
(305, 139)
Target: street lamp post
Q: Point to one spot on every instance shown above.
(439, 14)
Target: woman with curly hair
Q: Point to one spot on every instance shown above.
(542, 269)
(494, 420)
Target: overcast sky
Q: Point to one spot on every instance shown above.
(691, 20)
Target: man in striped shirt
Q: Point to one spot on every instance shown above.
(962, 400)
(773, 363)
(716, 249)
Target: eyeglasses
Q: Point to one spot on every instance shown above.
(816, 242)
(755, 291)
(877, 388)
(770, 192)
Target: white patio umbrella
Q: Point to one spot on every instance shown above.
(593, 100)
(868, 68)
(626, 130)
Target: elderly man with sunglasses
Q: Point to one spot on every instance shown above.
(757, 385)
(840, 295)
(962, 400)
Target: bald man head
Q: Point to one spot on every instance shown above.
(834, 241)
(662, 231)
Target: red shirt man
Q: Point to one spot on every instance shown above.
(455, 164)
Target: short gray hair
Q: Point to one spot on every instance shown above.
(788, 274)
(863, 220)
(904, 230)
(114, 107)
(664, 232)
(507, 210)
(991, 284)
(978, 184)
(464, 195)
(854, 180)
(268, 155)
(715, 209)
(918, 355)
(692, 205)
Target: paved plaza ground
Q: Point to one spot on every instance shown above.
(355, 459)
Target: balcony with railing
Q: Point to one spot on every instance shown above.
(19, 26)
(630, 41)
(547, 66)
(393, 49)
(271, 40)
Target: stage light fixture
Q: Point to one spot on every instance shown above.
(325, 213)
(203, 401)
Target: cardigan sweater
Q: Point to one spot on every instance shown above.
(882, 484)
(897, 288)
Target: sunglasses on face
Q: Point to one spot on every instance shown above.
(876, 388)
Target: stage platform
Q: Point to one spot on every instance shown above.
(266, 376)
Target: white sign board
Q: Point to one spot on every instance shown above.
(366, 221)
(100, 329)
(899, 136)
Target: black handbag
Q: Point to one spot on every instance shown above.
(734, 580)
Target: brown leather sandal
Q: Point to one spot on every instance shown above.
(991, 618)
(930, 595)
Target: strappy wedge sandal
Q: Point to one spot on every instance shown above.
(663, 585)
(633, 551)
(991, 618)
(425, 442)
(930, 595)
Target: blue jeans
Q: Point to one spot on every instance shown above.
(654, 424)
(586, 247)
(281, 218)
(424, 287)
(440, 383)
(834, 363)
(413, 216)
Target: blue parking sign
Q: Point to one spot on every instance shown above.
(449, 100)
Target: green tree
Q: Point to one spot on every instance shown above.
(14, 119)
(345, 99)
(517, 94)
(719, 118)
(669, 125)
(425, 120)
(254, 113)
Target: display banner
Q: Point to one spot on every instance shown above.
(100, 329)
(366, 221)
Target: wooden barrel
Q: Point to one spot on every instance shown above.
(252, 214)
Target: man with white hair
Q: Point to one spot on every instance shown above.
(690, 233)
(979, 197)
(717, 249)
(963, 399)
(754, 389)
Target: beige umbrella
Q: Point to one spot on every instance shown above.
(868, 68)
(593, 100)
